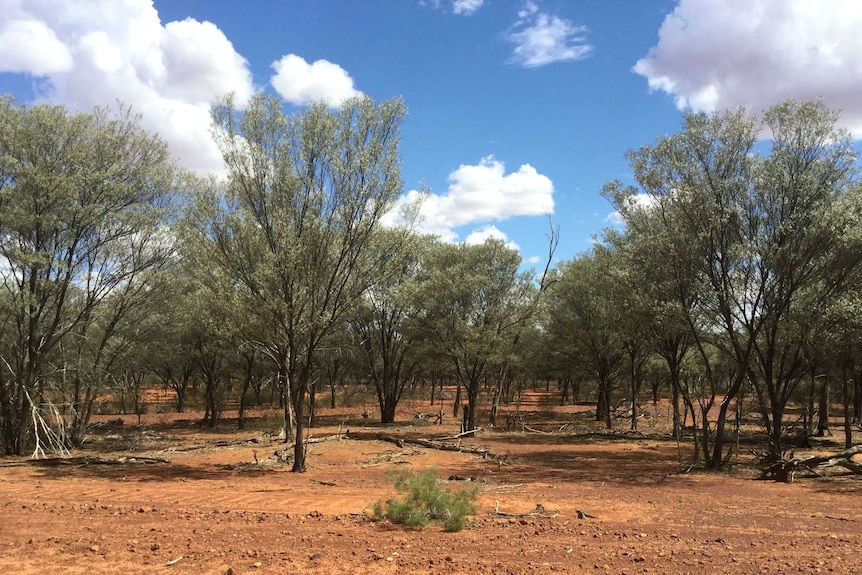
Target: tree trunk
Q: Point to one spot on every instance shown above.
(298, 392)
(312, 397)
(674, 398)
(246, 383)
(564, 394)
(388, 403)
(717, 462)
(286, 401)
(472, 399)
(823, 409)
(857, 399)
(498, 390)
(689, 408)
(809, 404)
(775, 440)
(845, 397)
(603, 405)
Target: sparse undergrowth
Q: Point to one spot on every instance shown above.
(426, 501)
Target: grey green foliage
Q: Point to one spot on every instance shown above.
(84, 203)
(472, 302)
(426, 501)
(754, 247)
(294, 232)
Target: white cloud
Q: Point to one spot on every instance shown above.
(30, 46)
(615, 218)
(541, 38)
(466, 7)
(95, 55)
(459, 7)
(480, 235)
(714, 55)
(637, 201)
(299, 82)
(479, 194)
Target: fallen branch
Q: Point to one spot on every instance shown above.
(785, 470)
(539, 512)
(327, 483)
(430, 444)
(462, 434)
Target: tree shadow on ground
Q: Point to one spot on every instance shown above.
(150, 472)
(639, 467)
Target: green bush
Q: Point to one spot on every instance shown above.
(426, 501)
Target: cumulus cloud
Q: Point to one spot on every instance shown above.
(299, 82)
(30, 46)
(479, 194)
(481, 235)
(121, 51)
(541, 38)
(714, 55)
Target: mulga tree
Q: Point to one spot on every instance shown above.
(170, 351)
(112, 346)
(474, 304)
(381, 329)
(293, 224)
(632, 300)
(82, 199)
(808, 213)
(757, 232)
(700, 182)
(585, 323)
(665, 293)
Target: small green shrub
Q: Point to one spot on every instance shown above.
(426, 501)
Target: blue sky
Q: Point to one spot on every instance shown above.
(516, 108)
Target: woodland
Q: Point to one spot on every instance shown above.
(732, 293)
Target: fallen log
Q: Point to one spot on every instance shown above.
(786, 470)
(831, 459)
(484, 452)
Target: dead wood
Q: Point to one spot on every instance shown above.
(460, 435)
(326, 483)
(538, 512)
(532, 430)
(786, 470)
(429, 443)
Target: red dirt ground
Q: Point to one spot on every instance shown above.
(213, 510)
